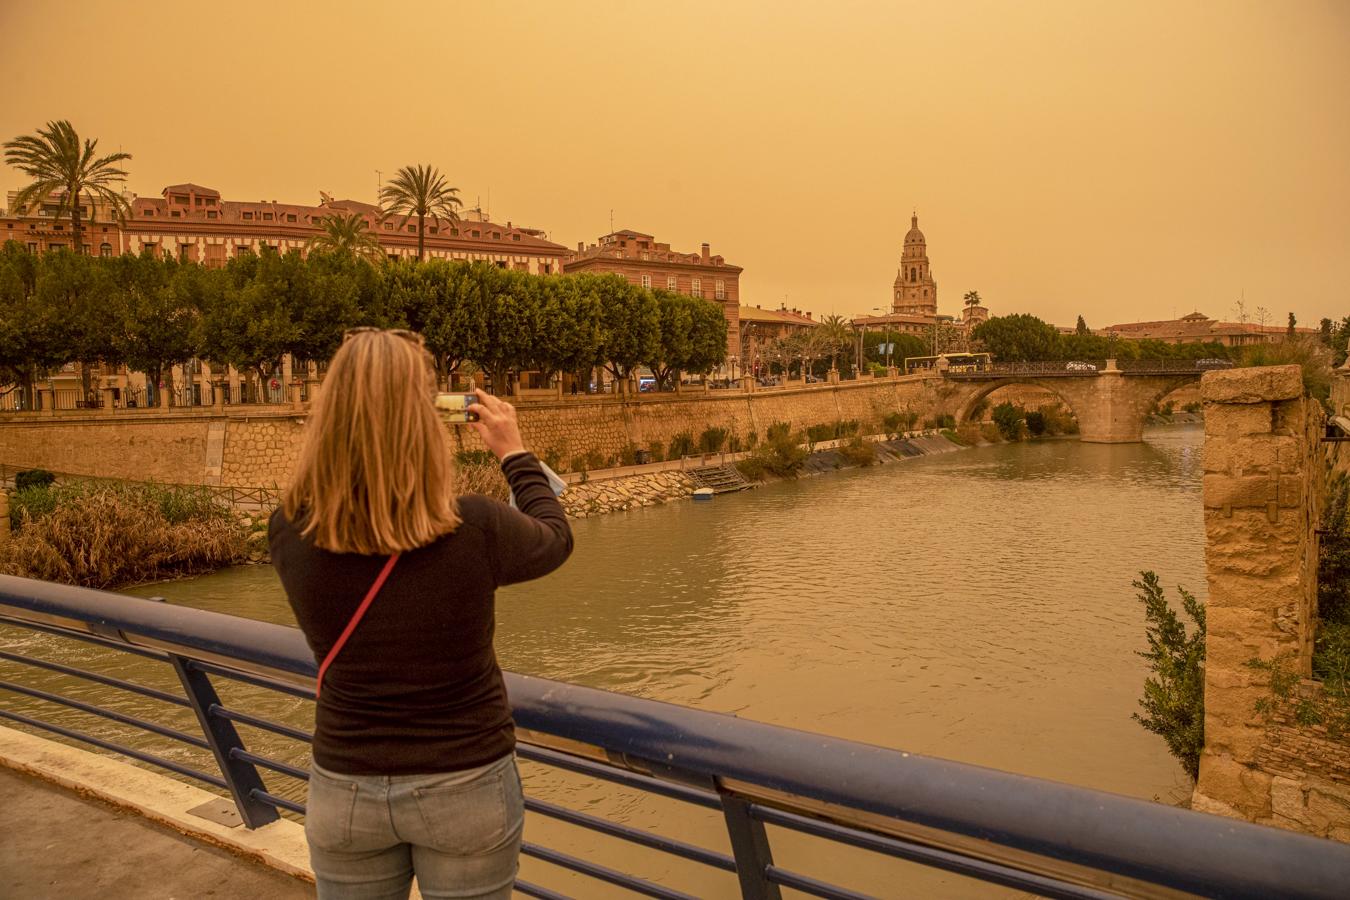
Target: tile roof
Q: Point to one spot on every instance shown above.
(785, 316)
(189, 187)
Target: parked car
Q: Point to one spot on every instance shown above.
(1079, 366)
(1207, 364)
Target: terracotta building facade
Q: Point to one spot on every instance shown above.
(195, 223)
(650, 264)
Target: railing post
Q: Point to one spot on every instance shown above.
(220, 733)
(750, 846)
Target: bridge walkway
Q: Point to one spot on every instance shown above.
(58, 844)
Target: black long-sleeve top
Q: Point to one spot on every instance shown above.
(417, 689)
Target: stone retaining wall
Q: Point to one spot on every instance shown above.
(259, 445)
(1263, 483)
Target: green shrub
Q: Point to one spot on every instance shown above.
(1333, 563)
(1008, 418)
(752, 440)
(1058, 420)
(893, 423)
(712, 439)
(1035, 424)
(595, 460)
(628, 456)
(577, 464)
(780, 456)
(33, 478)
(681, 444)
(1174, 695)
(946, 422)
(734, 444)
(817, 433)
(475, 458)
(858, 452)
(656, 450)
(778, 431)
(1306, 352)
(1194, 406)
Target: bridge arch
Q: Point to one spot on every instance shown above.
(1110, 405)
(967, 406)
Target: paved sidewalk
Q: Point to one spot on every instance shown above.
(57, 844)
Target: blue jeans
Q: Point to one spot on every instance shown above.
(459, 832)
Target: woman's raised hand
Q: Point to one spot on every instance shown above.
(496, 425)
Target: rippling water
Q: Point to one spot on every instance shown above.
(974, 605)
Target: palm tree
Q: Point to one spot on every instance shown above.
(56, 160)
(419, 191)
(346, 233)
(835, 334)
(972, 298)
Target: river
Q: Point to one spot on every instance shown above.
(974, 605)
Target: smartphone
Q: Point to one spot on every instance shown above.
(456, 407)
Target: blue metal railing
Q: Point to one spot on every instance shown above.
(1048, 838)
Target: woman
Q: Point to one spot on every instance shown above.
(413, 765)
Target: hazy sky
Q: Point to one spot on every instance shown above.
(1122, 160)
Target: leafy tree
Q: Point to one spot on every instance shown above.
(158, 305)
(419, 191)
(1174, 695)
(347, 234)
(1082, 327)
(570, 336)
(75, 289)
(707, 338)
(451, 305)
(511, 306)
(32, 341)
(248, 324)
(1018, 338)
(1293, 322)
(58, 161)
(674, 343)
(630, 323)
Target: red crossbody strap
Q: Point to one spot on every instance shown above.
(356, 618)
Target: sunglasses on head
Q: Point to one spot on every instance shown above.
(397, 332)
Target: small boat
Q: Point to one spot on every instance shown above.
(703, 495)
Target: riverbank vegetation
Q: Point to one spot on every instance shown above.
(1174, 694)
(109, 535)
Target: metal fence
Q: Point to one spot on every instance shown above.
(1039, 836)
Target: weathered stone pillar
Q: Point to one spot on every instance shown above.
(107, 401)
(218, 388)
(1261, 493)
(1111, 414)
(296, 402)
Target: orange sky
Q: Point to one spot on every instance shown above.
(1122, 160)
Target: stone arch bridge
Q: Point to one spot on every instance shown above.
(1111, 400)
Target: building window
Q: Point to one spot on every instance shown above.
(290, 217)
(248, 216)
(496, 235)
(211, 214)
(501, 264)
(671, 282)
(412, 229)
(184, 252)
(720, 289)
(32, 248)
(476, 233)
(241, 249)
(105, 250)
(454, 232)
(646, 281)
(388, 226)
(547, 268)
(433, 229)
(267, 217)
(515, 237)
(696, 287)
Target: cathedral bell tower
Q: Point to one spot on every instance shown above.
(915, 291)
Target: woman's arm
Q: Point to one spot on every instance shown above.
(534, 539)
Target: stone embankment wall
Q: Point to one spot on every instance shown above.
(258, 447)
(1264, 478)
(595, 498)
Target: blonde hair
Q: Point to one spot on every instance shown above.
(375, 474)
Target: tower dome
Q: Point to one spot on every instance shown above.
(914, 235)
